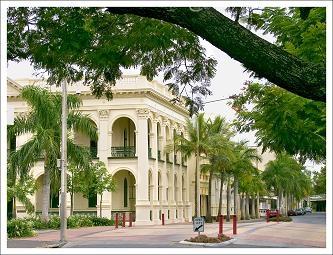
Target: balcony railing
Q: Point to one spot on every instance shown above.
(123, 152)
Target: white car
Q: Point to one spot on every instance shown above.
(308, 209)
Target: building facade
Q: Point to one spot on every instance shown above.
(133, 130)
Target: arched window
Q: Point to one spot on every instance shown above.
(125, 192)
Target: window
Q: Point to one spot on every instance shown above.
(93, 148)
(54, 200)
(92, 199)
(125, 137)
(12, 144)
(125, 192)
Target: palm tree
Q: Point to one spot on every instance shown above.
(195, 143)
(244, 158)
(219, 152)
(43, 121)
(284, 176)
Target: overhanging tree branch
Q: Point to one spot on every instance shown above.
(265, 59)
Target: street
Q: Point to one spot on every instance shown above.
(305, 231)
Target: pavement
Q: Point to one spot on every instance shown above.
(307, 231)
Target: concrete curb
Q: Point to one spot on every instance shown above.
(210, 244)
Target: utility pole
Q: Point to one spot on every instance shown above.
(198, 169)
(63, 216)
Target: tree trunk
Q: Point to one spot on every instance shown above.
(221, 197)
(209, 198)
(196, 190)
(247, 207)
(14, 212)
(236, 196)
(46, 194)
(253, 208)
(243, 207)
(258, 204)
(228, 199)
(100, 205)
(72, 203)
(281, 68)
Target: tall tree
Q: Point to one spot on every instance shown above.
(92, 45)
(281, 68)
(43, 121)
(219, 153)
(244, 158)
(319, 181)
(196, 143)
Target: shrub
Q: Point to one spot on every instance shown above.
(77, 221)
(19, 228)
(206, 239)
(281, 218)
(98, 221)
(38, 223)
(54, 222)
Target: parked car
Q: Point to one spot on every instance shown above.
(299, 211)
(303, 211)
(292, 213)
(308, 209)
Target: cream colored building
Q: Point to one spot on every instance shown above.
(133, 129)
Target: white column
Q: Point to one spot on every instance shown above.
(142, 202)
(103, 152)
(153, 141)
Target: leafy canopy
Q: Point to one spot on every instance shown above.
(94, 45)
(284, 121)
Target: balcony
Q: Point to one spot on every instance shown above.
(123, 152)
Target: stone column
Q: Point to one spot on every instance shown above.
(142, 202)
(156, 203)
(103, 152)
(164, 184)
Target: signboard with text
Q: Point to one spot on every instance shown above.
(198, 224)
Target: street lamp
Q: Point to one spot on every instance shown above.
(63, 216)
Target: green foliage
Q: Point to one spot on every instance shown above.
(54, 222)
(319, 181)
(21, 189)
(100, 180)
(100, 221)
(76, 221)
(284, 174)
(19, 228)
(94, 45)
(38, 223)
(282, 121)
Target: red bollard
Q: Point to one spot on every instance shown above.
(220, 225)
(234, 225)
(277, 216)
(163, 219)
(116, 223)
(130, 220)
(267, 215)
(124, 219)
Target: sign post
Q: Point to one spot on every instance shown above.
(198, 225)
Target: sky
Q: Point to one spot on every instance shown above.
(229, 80)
